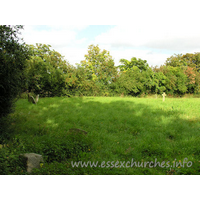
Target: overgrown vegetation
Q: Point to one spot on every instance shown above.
(119, 129)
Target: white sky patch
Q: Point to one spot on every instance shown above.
(81, 41)
(61, 38)
(56, 36)
(156, 36)
(153, 58)
(151, 30)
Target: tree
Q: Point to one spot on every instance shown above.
(159, 82)
(148, 80)
(85, 86)
(193, 60)
(13, 55)
(186, 60)
(191, 79)
(130, 82)
(99, 66)
(47, 71)
(176, 60)
(181, 83)
(136, 76)
(134, 62)
(174, 79)
(170, 79)
(190, 67)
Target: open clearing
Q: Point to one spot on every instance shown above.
(120, 131)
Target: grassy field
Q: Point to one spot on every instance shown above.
(121, 131)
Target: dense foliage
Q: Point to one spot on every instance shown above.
(46, 71)
(42, 70)
(12, 63)
(49, 74)
(13, 55)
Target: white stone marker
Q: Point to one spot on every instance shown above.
(33, 160)
(164, 96)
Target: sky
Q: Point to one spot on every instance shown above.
(151, 30)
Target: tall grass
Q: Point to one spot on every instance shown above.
(119, 129)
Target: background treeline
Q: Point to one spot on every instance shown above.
(48, 74)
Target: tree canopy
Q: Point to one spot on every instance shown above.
(50, 75)
(99, 65)
(42, 70)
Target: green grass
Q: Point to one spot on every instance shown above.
(119, 129)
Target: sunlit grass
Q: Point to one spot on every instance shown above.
(121, 129)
